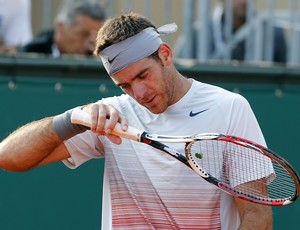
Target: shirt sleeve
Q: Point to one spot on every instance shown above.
(244, 124)
(83, 147)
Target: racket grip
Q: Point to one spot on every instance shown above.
(83, 118)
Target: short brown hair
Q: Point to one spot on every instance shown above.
(120, 28)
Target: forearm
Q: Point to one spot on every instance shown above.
(41, 142)
(259, 222)
(38, 143)
(254, 216)
(27, 146)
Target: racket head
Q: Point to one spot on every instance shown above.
(244, 169)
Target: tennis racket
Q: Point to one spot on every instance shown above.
(237, 166)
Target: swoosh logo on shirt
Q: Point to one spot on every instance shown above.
(111, 60)
(192, 114)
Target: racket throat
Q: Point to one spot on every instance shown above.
(158, 145)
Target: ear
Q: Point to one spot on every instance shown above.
(165, 53)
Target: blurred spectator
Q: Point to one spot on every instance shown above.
(76, 26)
(216, 33)
(15, 24)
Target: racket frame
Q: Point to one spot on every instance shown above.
(155, 140)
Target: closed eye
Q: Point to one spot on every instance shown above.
(123, 86)
(142, 76)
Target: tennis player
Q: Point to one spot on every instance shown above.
(143, 187)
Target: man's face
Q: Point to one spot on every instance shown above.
(78, 38)
(148, 82)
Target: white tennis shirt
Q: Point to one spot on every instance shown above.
(145, 188)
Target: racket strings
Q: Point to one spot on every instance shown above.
(242, 165)
(243, 168)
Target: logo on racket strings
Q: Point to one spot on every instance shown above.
(199, 155)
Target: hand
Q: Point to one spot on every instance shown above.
(104, 118)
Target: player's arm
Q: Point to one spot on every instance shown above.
(41, 142)
(32, 145)
(254, 216)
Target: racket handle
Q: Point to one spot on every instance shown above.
(83, 118)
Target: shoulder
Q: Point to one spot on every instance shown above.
(211, 91)
(217, 96)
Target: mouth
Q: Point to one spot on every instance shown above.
(149, 103)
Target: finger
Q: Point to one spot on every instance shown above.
(115, 139)
(124, 122)
(113, 117)
(100, 111)
(97, 117)
(104, 119)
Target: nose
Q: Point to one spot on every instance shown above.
(139, 91)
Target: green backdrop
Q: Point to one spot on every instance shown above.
(55, 197)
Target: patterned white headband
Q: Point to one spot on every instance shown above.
(121, 55)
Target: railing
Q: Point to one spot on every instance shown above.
(257, 31)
